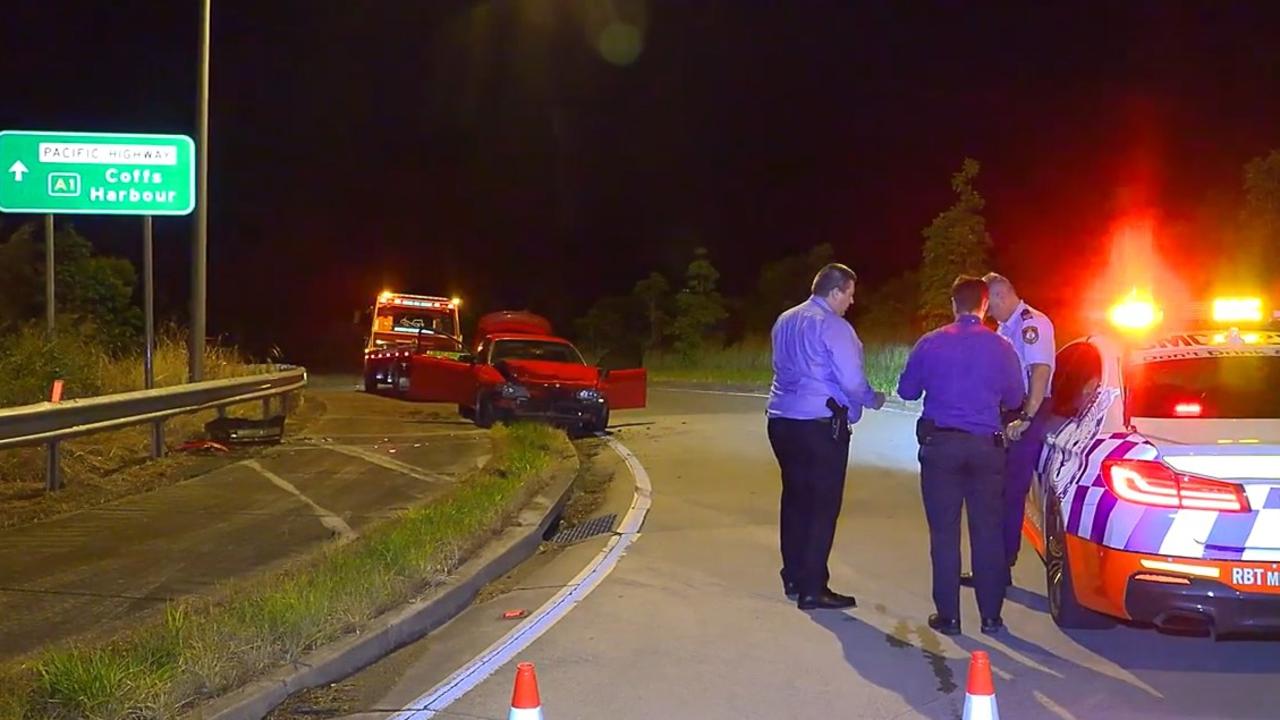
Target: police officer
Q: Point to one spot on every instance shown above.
(819, 389)
(968, 376)
(1031, 333)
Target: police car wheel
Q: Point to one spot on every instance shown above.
(1064, 607)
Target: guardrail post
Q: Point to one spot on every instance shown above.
(157, 439)
(52, 472)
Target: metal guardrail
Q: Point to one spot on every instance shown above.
(50, 423)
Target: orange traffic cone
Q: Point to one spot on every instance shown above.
(980, 696)
(525, 703)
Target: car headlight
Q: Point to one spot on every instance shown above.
(513, 391)
(589, 394)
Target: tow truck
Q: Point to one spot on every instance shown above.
(406, 326)
(1157, 496)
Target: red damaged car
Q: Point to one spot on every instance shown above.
(519, 370)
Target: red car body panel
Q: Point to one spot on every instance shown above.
(547, 389)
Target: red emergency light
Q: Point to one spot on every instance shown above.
(1188, 409)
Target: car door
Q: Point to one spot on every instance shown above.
(1075, 419)
(625, 389)
(441, 379)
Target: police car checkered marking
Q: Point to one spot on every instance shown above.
(1260, 496)
(1150, 531)
(1188, 532)
(1121, 523)
(1272, 500)
(1086, 517)
(1228, 536)
(1264, 540)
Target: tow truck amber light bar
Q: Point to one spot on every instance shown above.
(1237, 309)
(1148, 482)
(386, 297)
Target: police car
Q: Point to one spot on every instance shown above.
(1157, 495)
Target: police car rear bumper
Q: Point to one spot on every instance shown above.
(1202, 605)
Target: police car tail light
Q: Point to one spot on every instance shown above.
(1148, 482)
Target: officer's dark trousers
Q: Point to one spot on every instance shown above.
(813, 469)
(960, 469)
(1020, 466)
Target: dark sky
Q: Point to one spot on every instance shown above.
(493, 150)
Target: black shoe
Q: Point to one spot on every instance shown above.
(946, 626)
(992, 626)
(826, 600)
(791, 589)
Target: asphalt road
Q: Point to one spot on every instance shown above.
(692, 622)
(92, 573)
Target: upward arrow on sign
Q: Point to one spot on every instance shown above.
(18, 170)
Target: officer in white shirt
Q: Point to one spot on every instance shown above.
(1031, 334)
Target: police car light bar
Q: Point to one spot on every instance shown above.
(1134, 313)
(1237, 309)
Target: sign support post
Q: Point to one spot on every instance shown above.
(149, 313)
(48, 274)
(68, 173)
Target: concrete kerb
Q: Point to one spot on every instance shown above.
(517, 543)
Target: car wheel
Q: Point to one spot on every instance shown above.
(484, 416)
(601, 423)
(371, 380)
(1064, 607)
(400, 379)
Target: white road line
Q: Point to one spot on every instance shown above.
(1052, 706)
(386, 462)
(461, 434)
(553, 611)
(328, 519)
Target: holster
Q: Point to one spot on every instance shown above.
(925, 430)
(839, 419)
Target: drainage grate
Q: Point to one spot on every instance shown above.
(590, 528)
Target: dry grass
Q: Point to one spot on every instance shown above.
(92, 466)
(750, 364)
(201, 649)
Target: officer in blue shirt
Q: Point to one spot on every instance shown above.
(968, 376)
(819, 389)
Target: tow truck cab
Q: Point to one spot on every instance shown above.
(404, 325)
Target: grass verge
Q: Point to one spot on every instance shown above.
(202, 649)
(750, 364)
(92, 466)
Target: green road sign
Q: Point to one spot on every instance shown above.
(96, 174)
